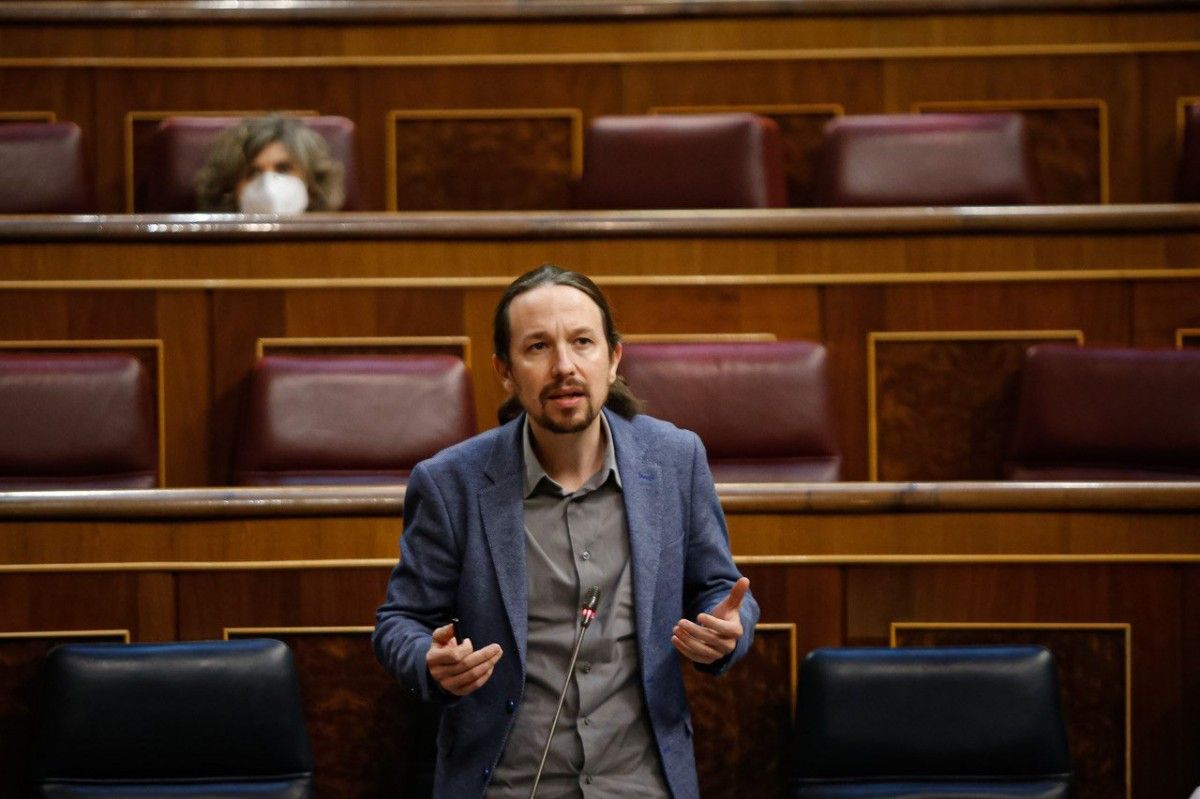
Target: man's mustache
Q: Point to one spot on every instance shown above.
(575, 384)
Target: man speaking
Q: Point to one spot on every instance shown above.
(507, 534)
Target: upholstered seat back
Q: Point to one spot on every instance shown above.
(198, 719)
(682, 161)
(43, 168)
(86, 420)
(926, 159)
(1187, 184)
(1087, 413)
(962, 722)
(762, 409)
(350, 419)
(181, 145)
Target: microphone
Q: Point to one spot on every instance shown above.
(587, 612)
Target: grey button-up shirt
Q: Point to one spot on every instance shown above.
(603, 745)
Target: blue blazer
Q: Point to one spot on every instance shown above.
(463, 555)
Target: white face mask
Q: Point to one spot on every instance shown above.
(273, 193)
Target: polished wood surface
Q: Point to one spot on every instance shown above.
(1099, 82)
(830, 565)
(873, 286)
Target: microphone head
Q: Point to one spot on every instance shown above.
(588, 611)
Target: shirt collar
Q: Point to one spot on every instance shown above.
(534, 473)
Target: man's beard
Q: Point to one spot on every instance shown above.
(542, 416)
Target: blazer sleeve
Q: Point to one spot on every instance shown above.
(709, 571)
(422, 588)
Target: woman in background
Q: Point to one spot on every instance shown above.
(269, 165)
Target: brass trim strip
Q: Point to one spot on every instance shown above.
(1182, 333)
(611, 58)
(462, 343)
(160, 389)
(1136, 559)
(268, 631)
(35, 634)
(28, 116)
(391, 159)
(874, 337)
(763, 109)
(814, 279)
(1098, 104)
(699, 338)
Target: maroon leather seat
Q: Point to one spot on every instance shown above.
(762, 409)
(180, 146)
(1107, 414)
(76, 421)
(682, 161)
(926, 159)
(1187, 184)
(342, 419)
(43, 168)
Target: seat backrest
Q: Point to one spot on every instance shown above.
(977, 720)
(762, 409)
(926, 159)
(156, 719)
(338, 419)
(180, 147)
(1187, 183)
(1087, 413)
(76, 421)
(682, 161)
(43, 168)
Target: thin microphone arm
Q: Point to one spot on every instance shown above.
(586, 613)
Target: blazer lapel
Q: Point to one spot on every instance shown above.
(502, 507)
(642, 486)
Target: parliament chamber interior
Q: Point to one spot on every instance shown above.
(923, 275)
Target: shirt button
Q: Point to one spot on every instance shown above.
(588, 779)
(587, 722)
(585, 667)
(586, 555)
(487, 772)
(510, 705)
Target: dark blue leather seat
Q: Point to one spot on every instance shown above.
(930, 723)
(204, 720)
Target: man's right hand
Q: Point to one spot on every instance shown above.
(456, 667)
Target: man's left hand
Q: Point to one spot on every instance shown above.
(713, 635)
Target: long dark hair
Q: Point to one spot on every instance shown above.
(620, 398)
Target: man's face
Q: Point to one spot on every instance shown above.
(559, 364)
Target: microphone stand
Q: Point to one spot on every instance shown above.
(586, 614)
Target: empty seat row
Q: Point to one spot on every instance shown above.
(763, 410)
(226, 718)
(668, 161)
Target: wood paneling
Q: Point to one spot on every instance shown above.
(945, 403)
(1093, 663)
(496, 160)
(834, 602)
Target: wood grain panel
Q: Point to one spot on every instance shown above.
(369, 737)
(802, 130)
(518, 159)
(1146, 597)
(1093, 663)
(21, 656)
(731, 756)
(1160, 311)
(1068, 141)
(945, 403)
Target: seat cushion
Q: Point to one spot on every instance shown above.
(43, 168)
(926, 159)
(79, 420)
(1089, 413)
(116, 718)
(682, 161)
(762, 409)
(350, 419)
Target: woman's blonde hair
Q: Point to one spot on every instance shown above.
(236, 148)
